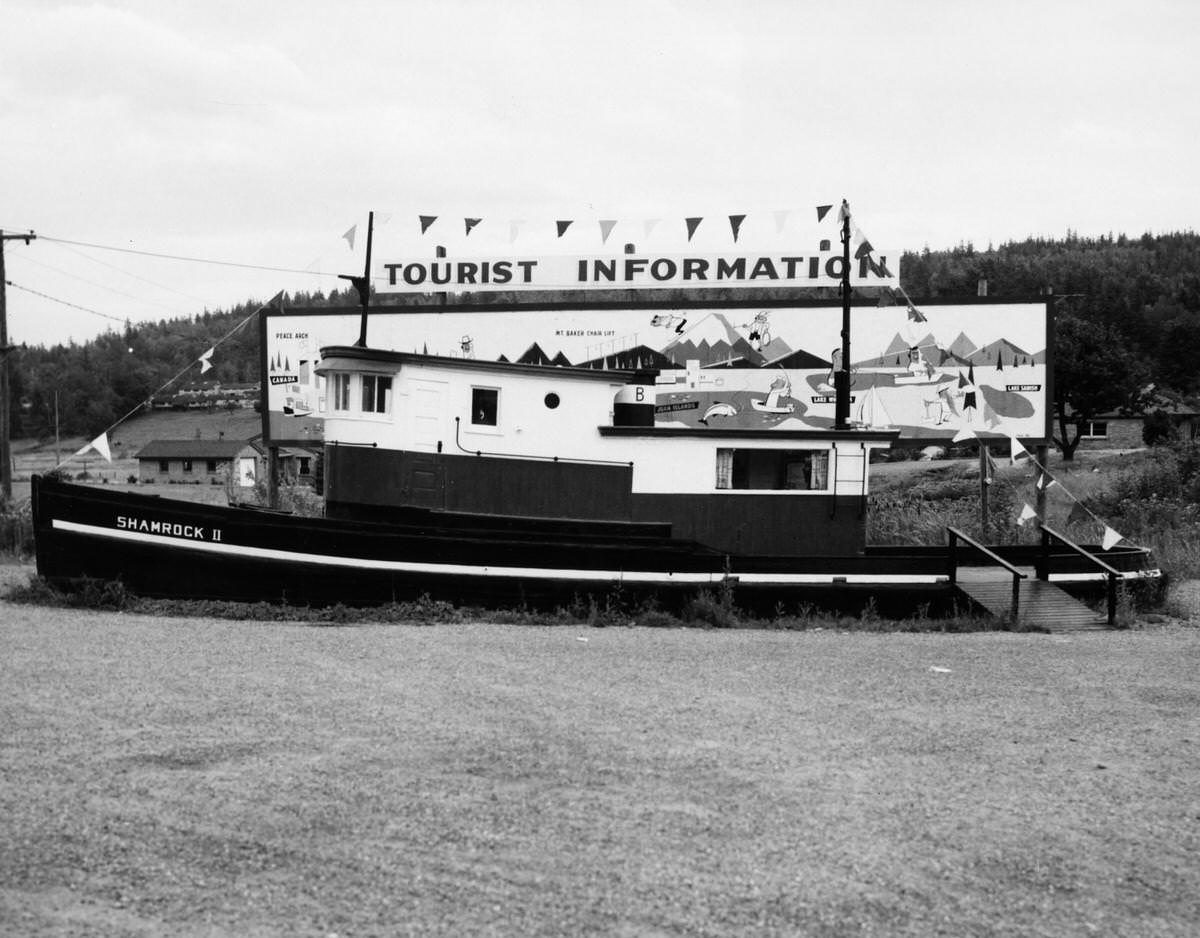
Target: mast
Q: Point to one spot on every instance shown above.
(841, 379)
(363, 284)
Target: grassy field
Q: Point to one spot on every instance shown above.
(211, 778)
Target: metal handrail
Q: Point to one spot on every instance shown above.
(956, 536)
(1111, 571)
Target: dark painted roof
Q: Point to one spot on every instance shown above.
(193, 449)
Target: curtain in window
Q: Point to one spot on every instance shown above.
(724, 468)
(820, 471)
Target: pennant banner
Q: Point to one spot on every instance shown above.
(1111, 538)
(606, 227)
(1027, 513)
(206, 360)
(349, 236)
(100, 445)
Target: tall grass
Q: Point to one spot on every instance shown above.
(16, 530)
(1151, 498)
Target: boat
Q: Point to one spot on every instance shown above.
(503, 484)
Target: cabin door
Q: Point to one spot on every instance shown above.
(425, 476)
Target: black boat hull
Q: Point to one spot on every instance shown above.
(169, 548)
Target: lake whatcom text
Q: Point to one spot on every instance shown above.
(191, 532)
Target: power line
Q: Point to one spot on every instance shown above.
(101, 286)
(179, 257)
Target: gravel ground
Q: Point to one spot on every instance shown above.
(199, 777)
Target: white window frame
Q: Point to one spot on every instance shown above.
(478, 426)
(727, 474)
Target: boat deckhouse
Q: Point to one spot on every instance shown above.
(533, 441)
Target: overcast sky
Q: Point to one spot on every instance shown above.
(257, 132)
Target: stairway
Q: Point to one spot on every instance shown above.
(1042, 606)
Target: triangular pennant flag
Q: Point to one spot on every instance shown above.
(735, 225)
(426, 221)
(781, 218)
(349, 236)
(606, 227)
(383, 218)
(1111, 538)
(962, 381)
(1026, 513)
(100, 445)
(887, 297)
(692, 225)
(1016, 450)
(863, 250)
(471, 223)
(1044, 481)
(965, 433)
(514, 229)
(649, 224)
(844, 211)
(822, 211)
(915, 314)
(206, 360)
(563, 226)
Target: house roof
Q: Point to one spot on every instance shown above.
(194, 449)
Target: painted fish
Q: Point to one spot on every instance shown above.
(718, 409)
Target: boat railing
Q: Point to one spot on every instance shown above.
(1111, 572)
(562, 459)
(955, 536)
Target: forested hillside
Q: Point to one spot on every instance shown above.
(1128, 311)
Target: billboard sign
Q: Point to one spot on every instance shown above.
(978, 366)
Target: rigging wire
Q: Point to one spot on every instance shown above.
(55, 299)
(166, 384)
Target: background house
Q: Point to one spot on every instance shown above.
(201, 461)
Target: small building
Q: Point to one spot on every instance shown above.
(201, 462)
(1181, 421)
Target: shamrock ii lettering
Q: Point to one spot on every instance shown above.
(192, 532)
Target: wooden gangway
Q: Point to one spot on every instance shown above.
(1041, 605)
(1025, 595)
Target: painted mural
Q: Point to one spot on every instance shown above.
(931, 373)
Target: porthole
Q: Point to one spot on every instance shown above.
(552, 400)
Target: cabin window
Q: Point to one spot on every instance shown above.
(210, 466)
(341, 392)
(376, 394)
(1093, 429)
(773, 469)
(305, 463)
(485, 406)
(187, 465)
(164, 465)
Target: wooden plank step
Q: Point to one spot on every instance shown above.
(1041, 605)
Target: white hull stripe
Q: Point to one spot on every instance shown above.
(456, 569)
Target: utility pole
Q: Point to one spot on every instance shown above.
(841, 378)
(5, 351)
